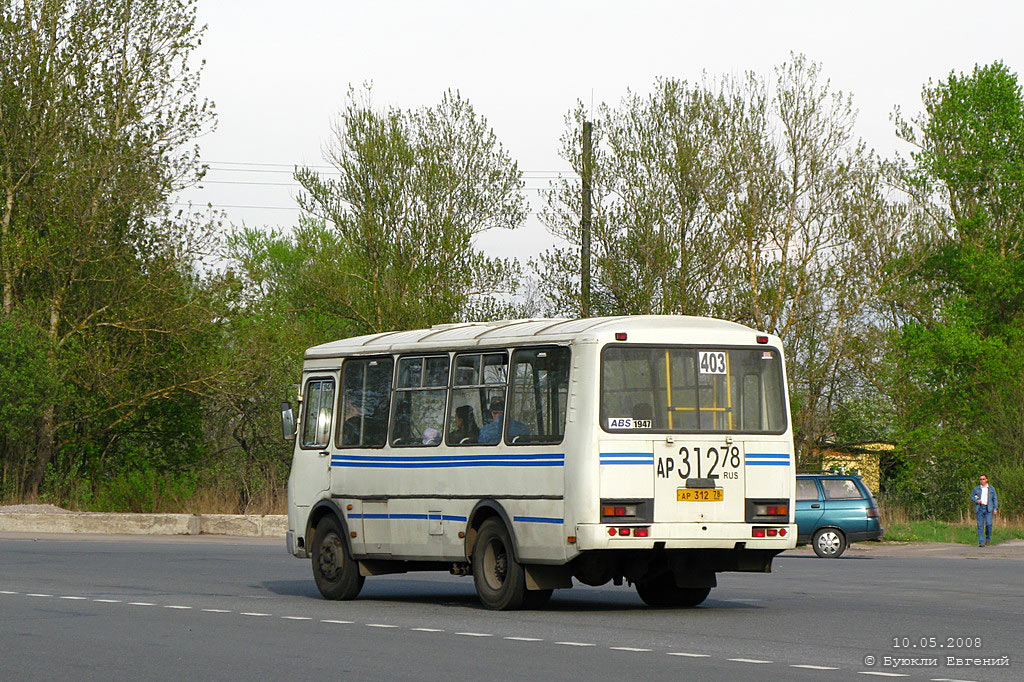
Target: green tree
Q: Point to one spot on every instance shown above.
(393, 233)
(743, 199)
(98, 113)
(960, 377)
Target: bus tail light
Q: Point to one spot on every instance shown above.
(618, 510)
(767, 532)
(627, 531)
(771, 509)
(620, 336)
(762, 339)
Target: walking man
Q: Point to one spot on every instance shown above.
(986, 504)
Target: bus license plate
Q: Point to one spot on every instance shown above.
(700, 494)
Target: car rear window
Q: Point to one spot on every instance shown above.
(805, 489)
(841, 489)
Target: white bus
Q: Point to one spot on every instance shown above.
(655, 450)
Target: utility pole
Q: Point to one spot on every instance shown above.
(588, 165)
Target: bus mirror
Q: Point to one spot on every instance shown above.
(287, 421)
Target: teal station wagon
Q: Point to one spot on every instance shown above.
(833, 510)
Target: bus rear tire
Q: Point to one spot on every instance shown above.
(663, 591)
(500, 580)
(336, 574)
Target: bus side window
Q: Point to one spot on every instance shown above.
(319, 407)
(420, 397)
(478, 384)
(537, 396)
(365, 402)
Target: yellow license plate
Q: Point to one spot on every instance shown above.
(700, 494)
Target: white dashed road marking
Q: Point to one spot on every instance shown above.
(477, 634)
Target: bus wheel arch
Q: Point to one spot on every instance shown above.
(320, 510)
(482, 511)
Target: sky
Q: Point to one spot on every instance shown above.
(278, 72)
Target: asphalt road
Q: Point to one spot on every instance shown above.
(202, 608)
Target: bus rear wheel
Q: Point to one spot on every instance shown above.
(500, 580)
(335, 572)
(663, 591)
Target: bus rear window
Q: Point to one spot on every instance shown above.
(692, 390)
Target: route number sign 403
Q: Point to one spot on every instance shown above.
(711, 362)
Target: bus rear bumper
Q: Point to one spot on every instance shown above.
(590, 536)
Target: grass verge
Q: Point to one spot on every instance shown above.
(943, 531)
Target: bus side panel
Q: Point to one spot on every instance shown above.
(769, 470)
(627, 469)
(540, 529)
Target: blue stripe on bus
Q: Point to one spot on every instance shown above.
(444, 517)
(428, 465)
(537, 519)
(768, 464)
(627, 461)
(448, 461)
(619, 458)
(433, 458)
(768, 455)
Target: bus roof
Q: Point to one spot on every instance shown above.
(533, 331)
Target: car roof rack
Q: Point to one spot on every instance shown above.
(828, 472)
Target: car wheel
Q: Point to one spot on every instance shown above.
(829, 543)
(663, 591)
(500, 580)
(335, 572)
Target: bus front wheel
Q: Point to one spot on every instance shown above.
(500, 580)
(663, 591)
(336, 574)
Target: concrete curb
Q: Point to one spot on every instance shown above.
(146, 524)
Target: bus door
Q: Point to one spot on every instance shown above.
(311, 464)
(362, 433)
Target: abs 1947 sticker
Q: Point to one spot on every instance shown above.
(628, 423)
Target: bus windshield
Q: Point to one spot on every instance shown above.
(675, 389)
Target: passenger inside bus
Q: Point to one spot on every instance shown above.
(351, 430)
(464, 428)
(491, 431)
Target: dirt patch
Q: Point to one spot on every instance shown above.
(33, 509)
